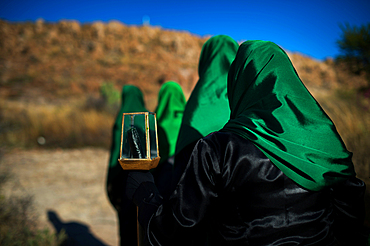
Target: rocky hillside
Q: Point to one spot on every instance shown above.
(47, 62)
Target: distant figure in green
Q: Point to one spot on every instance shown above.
(132, 101)
(169, 111)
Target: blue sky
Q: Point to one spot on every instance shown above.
(310, 27)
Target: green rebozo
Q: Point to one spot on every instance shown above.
(207, 109)
(170, 109)
(271, 107)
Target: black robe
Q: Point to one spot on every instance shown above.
(231, 194)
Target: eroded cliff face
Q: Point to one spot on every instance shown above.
(69, 59)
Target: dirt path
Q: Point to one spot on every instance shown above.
(68, 187)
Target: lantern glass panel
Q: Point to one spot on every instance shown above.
(134, 136)
(153, 136)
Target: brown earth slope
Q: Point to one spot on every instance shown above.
(68, 59)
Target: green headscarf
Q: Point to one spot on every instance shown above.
(271, 107)
(171, 104)
(132, 101)
(207, 109)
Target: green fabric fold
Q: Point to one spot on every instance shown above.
(207, 109)
(271, 107)
(170, 109)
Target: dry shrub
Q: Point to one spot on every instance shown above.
(64, 126)
(350, 113)
(19, 221)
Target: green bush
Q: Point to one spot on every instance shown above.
(354, 46)
(110, 94)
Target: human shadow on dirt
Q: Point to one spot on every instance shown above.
(78, 234)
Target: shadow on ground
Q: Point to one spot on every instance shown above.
(78, 234)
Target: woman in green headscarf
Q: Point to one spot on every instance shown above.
(170, 108)
(271, 107)
(207, 109)
(208, 100)
(278, 173)
(131, 101)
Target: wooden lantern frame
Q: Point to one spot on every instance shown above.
(141, 163)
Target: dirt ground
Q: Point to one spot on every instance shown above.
(68, 187)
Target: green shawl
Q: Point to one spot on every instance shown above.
(271, 107)
(170, 108)
(132, 101)
(207, 109)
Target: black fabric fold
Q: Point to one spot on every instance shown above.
(231, 194)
